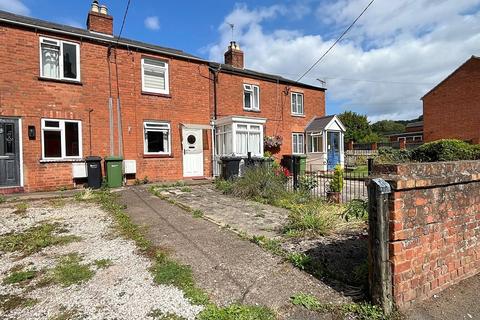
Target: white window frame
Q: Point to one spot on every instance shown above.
(61, 129)
(166, 72)
(156, 129)
(59, 43)
(295, 106)
(221, 134)
(310, 144)
(254, 100)
(298, 134)
(402, 138)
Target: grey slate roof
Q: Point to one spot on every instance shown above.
(319, 124)
(10, 18)
(7, 17)
(266, 76)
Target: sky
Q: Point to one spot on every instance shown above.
(396, 52)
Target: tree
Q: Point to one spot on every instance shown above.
(385, 127)
(357, 125)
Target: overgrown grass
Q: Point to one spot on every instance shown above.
(299, 260)
(186, 189)
(159, 315)
(9, 302)
(236, 312)
(71, 271)
(34, 239)
(20, 277)
(270, 245)
(21, 208)
(360, 311)
(169, 272)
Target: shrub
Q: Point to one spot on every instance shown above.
(307, 183)
(225, 186)
(444, 150)
(336, 185)
(260, 183)
(390, 155)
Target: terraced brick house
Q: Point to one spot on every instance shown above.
(67, 93)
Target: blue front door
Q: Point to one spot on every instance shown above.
(333, 149)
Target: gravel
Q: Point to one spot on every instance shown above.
(124, 290)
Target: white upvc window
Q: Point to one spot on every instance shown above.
(298, 143)
(158, 138)
(248, 138)
(315, 142)
(297, 103)
(155, 76)
(61, 139)
(251, 97)
(59, 59)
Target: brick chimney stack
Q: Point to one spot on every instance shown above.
(234, 56)
(98, 19)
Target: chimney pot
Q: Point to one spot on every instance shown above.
(234, 56)
(103, 9)
(95, 7)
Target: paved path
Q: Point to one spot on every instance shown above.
(228, 268)
(251, 217)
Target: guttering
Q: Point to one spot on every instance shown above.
(100, 39)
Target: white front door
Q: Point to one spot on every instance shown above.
(192, 152)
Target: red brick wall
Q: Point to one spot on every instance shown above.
(99, 22)
(434, 227)
(24, 95)
(451, 110)
(274, 106)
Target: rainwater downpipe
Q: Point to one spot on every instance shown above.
(110, 103)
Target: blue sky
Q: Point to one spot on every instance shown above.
(397, 51)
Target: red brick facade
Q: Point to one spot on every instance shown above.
(27, 96)
(434, 227)
(450, 110)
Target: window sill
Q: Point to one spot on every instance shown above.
(162, 95)
(251, 110)
(74, 82)
(160, 156)
(61, 160)
(298, 115)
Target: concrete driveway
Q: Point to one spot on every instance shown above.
(229, 269)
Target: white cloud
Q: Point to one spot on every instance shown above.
(414, 43)
(152, 23)
(14, 6)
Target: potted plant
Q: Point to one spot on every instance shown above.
(336, 185)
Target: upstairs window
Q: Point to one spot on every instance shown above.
(297, 104)
(157, 138)
(155, 76)
(59, 59)
(298, 143)
(61, 139)
(251, 97)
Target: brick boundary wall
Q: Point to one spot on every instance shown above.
(434, 222)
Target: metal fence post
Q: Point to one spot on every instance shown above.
(380, 273)
(295, 173)
(370, 165)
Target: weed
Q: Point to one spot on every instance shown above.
(66, 315)
(270, 245)
(315, 218)
(197, 213)
(236, 312)
(186, 189)
(10, 302)
(169, 272)
(157, 314)
(2, 198)
(306, 300)
(58, 203)
(20, 276)
(62, 188)
(103, 263)
(356, 210)
(299, 260)
(70, 271)
(360, 311)
(34, 239)
(224, 186)
(21, 208)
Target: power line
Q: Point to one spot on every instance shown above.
(123, 22)
(336, 41)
